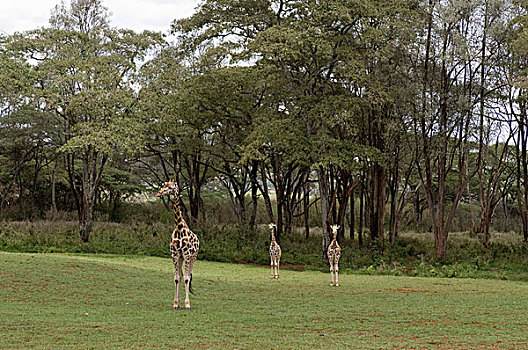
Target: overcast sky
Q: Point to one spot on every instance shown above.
(138, 15)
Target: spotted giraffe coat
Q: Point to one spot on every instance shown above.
(184, 243)
(274, 249)
(334, 251)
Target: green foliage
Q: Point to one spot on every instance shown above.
(276, 87)
(413, 254)
(64, 237)
(83, 73)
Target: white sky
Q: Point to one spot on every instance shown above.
(138, 15)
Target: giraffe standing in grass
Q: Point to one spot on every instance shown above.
(275, 252)
(184, 245)
(334, 253)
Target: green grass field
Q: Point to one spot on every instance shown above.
(92, 302)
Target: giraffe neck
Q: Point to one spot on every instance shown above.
(335, 236)
(178, 217)
(273, 234)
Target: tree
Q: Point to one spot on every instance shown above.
(180, 127)
(517, 102)
(83, 72)
(444, 116)
(315, 58)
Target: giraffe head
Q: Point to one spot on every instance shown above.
(272, 227)
(170, 188)
(334, 230)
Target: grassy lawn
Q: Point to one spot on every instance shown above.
(93, 301)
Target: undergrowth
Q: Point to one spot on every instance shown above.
(412, 255)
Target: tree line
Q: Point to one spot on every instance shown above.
(379, 107)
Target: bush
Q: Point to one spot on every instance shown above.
(413, 254)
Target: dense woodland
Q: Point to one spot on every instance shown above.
(379, 114)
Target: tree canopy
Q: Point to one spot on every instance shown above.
(400, 107)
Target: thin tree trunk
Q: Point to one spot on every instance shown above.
(471, 211)
(377, 208)
(279, 193)
(506, 226)
(482, 154)
(306, 205)
(265, 192)
(361, 211)
(86, 217)
(53, 191)
(254, 193)
(352, 215)
(90, 177)
(524, 163)
(393, 221)
(323, 188)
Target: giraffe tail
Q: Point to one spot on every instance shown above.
(190, 285)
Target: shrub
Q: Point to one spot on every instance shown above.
(413, 254)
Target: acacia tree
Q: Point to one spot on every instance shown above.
(312, 51)
(231, 26)
(181, 110)
(233, 101)
(485, 28)
(517, 102)
(14, 79)
(29, 147)
(83, 72)
(453, 45)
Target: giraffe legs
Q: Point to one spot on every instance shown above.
(336, 269)
(331, 272)
(275, 268)
(177, 279)
(189, 263)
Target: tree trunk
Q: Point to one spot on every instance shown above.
(524, 176)
(486, 231)
(417, 207)
(53, 191)
(471, 211)
(323, 189)
(377, 205)
(361, 211)
(393, 221)
(86, 217)
(352, 215)
(343, 204)
(506, 226)
(306, 205)
(254, 193)
(483, 149)
(440, 242)
(197, 177)
(90, 177)
(265, 192)
(279, 195)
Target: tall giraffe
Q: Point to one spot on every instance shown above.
(184, 245)
(275, 252)
(334, 253)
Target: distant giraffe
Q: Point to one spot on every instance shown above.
(334, 253)
(275, 253)
(184, 245)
